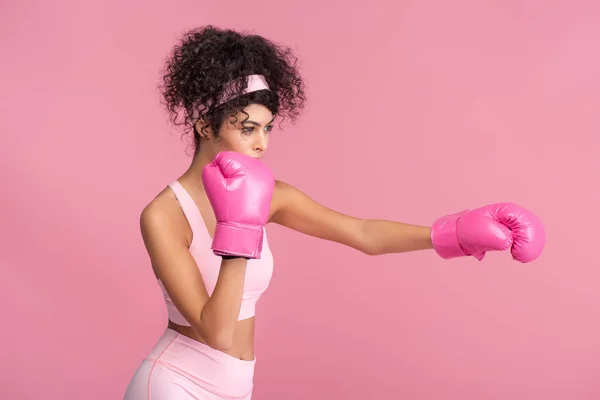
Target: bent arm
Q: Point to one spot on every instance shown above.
(295, 210)
(213, 317)
(220, 313)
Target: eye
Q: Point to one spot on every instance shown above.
(248, 130)
(269, 128)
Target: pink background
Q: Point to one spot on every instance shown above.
(416, 109)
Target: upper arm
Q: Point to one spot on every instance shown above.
(173, 263)
(296, 210)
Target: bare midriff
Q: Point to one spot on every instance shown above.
(243, 340)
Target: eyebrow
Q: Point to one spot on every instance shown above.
(256, 123)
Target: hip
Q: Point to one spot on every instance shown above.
(177, 358)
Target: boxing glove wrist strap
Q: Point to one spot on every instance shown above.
(444, 237)
(237, 240)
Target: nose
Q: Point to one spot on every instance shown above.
(261, 143)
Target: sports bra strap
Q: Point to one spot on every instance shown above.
(189, 207)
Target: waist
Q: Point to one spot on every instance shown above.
(211, 369)
(243, 340)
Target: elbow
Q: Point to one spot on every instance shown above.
(370, 251)
(217, 338)
(216, 332)
(369, 248)
(222, 341)
(364, 242)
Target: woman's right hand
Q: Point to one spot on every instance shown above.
(240, 189)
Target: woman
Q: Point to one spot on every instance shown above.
(205, 234)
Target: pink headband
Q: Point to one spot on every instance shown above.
(254, 83)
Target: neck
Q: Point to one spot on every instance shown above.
(193, 175)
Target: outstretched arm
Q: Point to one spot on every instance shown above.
(295, 210)
(385, 237)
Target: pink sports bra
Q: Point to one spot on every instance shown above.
(258, 272)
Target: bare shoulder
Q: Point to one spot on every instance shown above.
(159, 210)
(281, 194)
(163, 216)
(284, 196)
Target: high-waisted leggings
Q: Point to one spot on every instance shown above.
(182, 368)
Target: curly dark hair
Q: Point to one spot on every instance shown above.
(208, 58)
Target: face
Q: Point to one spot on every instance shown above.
(245, 134)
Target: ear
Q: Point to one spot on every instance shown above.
(203, 129)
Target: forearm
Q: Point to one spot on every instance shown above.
(384, 237)
(220, 313)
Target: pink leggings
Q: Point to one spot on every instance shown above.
(181, 368)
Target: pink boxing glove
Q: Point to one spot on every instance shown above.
(240, 189)
(494, 227)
